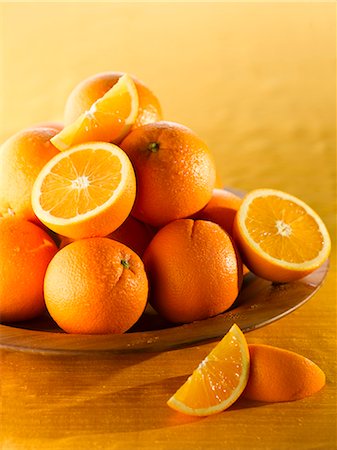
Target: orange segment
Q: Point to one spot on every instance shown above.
(109, 119)
(219, 379)
(85, 191)
(280, 237)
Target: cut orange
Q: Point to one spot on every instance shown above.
(86, 191)
(109, 119)
(219, 379)
(280, 238)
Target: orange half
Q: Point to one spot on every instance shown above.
(86, 191)
(219, 379)
(109, 119)
(280, 238)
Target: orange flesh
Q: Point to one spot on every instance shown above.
(287, 233)
(76, 186)
(104, 121)
(215, 379)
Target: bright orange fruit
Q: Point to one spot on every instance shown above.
(91, 89)
(95, 286)
(132, 233)
(25, 252)
(85, 191)
(279, 237)
(108, 119)
(221, 209)
(194, 270)
(22, 157)
(219, 379)
(175, 172)
(278, 375)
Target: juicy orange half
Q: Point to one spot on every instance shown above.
(219, 379)
(109, 119)
(86, 191)
(280, 238)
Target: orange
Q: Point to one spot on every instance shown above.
(279, 237)
(85, 191)
(25, 252)
(109, 119)
(175, 172)
(221, 209)
(95, 286)
(278, 375)
(22, 157)
(132, 233)
(219, 379)
(91, 89)
(193, 270)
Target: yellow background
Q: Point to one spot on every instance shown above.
(255, 80)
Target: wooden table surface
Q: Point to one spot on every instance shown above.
(257, 83)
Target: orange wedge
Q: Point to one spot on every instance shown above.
(109, 119)
(86, 191)
(280, 238)
(278, 375)
(219, 379)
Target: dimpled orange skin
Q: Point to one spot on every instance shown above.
(132, 233)
(25, 252)
(91, 89)
(175, 172)
(194, 270)
(22, 157)
(221, 209)
(88, 290)
(278, 375)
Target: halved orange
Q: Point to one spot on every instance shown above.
(86, 191)
(109, 119)
(219, 379)
(280, 237)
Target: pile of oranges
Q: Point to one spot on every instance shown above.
(118, 207)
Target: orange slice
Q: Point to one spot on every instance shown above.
(109, 119)
(280, 238)
(219, 379)
(86, 191)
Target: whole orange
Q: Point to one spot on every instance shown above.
(91, 89)
(25, 252)
(221, 209)
(175, 172)
(22, 157)
(194, 270)
(96, 286)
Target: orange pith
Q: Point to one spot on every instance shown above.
(218, 380)
(109, 119)
(280, 237)
(86, 191)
